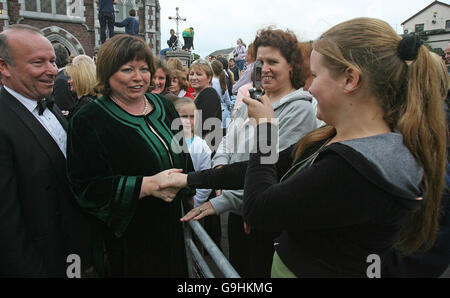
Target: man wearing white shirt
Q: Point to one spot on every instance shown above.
(41, 226)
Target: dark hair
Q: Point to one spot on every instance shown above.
(306, 75)
(132, 12)
(181, 77)
(287, 43)
(62, 55)
(160, 63)
(217, 68)
(4, 47)
(224, 62)
(251, 53)
(116, 52)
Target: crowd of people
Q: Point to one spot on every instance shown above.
(343, 157)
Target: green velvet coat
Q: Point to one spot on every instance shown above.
(108, 153)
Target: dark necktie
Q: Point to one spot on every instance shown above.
(44, 104)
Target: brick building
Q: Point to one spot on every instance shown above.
(74, 23)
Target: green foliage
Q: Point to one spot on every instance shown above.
(438, 51)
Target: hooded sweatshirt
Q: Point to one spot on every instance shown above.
(296, 117)
(345, 208)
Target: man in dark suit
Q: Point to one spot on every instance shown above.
(64, 98)
(41, 226)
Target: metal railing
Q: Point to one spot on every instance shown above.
(197, 265)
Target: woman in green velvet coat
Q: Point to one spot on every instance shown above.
(116, 147)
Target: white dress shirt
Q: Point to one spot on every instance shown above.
(47, 119)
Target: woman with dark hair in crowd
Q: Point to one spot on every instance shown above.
(180, 84)
(219, 83)
(116, 147)
(161, 79)
(229, 77)
(282, 77)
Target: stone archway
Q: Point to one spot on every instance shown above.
(62, 36)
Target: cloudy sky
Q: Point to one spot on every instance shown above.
(218, 24)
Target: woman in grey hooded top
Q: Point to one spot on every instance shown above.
(285, 70)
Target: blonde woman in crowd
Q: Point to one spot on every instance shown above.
(82, 80)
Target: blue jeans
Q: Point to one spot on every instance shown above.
(164, 51)
(226, 116)
(106, 19)
(240, 64)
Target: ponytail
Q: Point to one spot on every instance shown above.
(407, 82)
(223, 82)
(217, 68)
(422, 125)
(320, 134)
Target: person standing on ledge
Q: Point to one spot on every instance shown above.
(131, 24)
(188, 36)
(106, 17)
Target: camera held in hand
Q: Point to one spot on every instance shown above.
(256, 92)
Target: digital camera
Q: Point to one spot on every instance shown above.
(256, 92)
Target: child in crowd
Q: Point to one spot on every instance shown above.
(198, 149)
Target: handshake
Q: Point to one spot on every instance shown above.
(164, 185)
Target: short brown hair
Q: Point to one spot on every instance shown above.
(181, 77)
(116, 52)
(175, 63)
(287, 43)
(132, 12)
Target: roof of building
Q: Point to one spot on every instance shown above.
(431, 4)
(222, 52)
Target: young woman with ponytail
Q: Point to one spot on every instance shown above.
(219, 83)
(377, 180)
(366, 184)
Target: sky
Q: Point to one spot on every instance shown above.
(218, 24)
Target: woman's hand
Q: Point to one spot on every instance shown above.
(166, 194)
(261, 110)
(198, 213)
(247, 228)
(151, 186)
(174, 178)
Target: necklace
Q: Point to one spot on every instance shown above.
(146, 105)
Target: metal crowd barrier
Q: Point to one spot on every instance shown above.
(197, 265)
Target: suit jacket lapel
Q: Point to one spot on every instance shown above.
(43, 138)
(58, 114)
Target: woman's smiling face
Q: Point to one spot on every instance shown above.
(276, 70)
